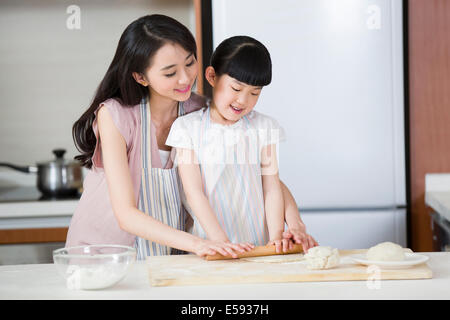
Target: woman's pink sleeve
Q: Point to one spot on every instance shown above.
(120, 117)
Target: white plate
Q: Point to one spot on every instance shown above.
(411, 259)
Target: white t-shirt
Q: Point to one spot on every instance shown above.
(164, 155)
(216, 143)
(230, 163)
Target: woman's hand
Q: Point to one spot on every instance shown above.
(225, 248)
(299, 236)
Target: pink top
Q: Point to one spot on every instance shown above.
(93, 221)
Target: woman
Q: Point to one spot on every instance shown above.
(132, 192)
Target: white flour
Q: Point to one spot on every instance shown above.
(93, 277)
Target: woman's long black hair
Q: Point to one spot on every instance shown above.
(137, 45)
(243, 58)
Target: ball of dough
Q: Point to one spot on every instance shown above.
(322, 257)
(386, 251)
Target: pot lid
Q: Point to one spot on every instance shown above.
(59, 159)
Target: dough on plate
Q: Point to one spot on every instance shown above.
(322, 257)
(386, 251)
(280, 258)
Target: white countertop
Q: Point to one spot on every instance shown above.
(437, 193)
(29, 209)
(32, 214)
(36, 214)
(42, 281)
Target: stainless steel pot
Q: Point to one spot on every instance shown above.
(56, 178)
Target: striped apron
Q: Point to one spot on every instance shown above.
(233, 187)
(159, 195)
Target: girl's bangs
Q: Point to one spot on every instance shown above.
(250, 66)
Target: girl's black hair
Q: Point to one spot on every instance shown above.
(243, 58)
(137, 45)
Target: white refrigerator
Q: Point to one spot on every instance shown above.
(337, 90)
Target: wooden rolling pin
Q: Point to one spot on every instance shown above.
(258, 251)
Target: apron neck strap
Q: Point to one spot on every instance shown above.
(146, 137)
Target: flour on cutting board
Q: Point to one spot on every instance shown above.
(280, 258)
(193, 270)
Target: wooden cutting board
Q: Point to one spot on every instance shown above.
(183, 270)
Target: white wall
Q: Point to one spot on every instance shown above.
(49, 73)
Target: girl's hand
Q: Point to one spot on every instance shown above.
(280, 244)
(225, 248)
(300, 236)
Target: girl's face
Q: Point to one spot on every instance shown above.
(232, 99)
(172, 73)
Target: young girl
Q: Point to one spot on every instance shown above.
(227, 154)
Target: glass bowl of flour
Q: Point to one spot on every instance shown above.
(94, 266)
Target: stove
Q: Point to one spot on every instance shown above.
(28, 194)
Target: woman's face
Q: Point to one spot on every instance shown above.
(172, 73)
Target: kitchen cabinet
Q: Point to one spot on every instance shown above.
(31, 230)
(28, 253)
(441, 232)
(35, 221)
(437, 199)
(33, 235)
